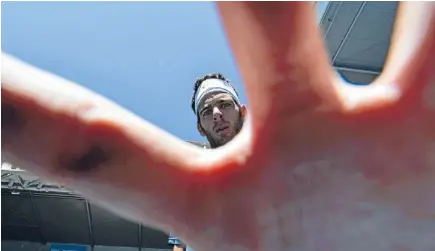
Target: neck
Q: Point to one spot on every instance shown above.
(214, 144)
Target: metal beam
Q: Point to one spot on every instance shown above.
(324, 13)
(349, 30)
(333, 18)
(29, 226)
(37, 217)
(140, 237)
(340, 68)
(24, 193)
(322, 19)
(91, 229)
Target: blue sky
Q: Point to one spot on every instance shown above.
(145, 56)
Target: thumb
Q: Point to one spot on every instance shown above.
(65, 133)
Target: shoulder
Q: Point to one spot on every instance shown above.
(174, 240)
(200, 144)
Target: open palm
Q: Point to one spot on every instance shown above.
(319, 165)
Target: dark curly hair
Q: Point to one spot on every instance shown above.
(199, 81)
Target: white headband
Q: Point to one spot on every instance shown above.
(214, 85)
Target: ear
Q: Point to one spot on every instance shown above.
(243, 111)
(200, 129)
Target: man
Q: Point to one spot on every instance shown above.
(218, 110)
(176, 243)
(220, 117)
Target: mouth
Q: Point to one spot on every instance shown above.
(221, 128)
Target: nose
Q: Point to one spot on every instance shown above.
(217, 114)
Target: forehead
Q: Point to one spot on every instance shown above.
(212, 98)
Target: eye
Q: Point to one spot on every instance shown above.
(206, 112)
(225, 105)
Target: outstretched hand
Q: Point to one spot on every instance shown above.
(319, 165)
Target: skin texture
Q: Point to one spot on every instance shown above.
(318, 165)
(218, 110)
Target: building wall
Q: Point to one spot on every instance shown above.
(34, 246)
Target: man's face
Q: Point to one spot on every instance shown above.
(220, 118)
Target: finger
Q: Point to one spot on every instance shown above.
(409, 66)
(411, 58)
(280, 53)
(66, 133)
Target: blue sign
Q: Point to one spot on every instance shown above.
(65, 247)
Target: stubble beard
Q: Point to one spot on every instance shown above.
(218, 143)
